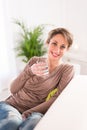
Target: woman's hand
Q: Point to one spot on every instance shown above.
(24, 116)
(40, 68)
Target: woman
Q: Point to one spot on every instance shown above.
(31, 88)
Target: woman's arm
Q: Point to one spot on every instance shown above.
(19, 82)
(42, 108)
(67, 75)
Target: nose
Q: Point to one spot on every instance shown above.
(57, 50)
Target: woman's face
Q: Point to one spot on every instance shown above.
(57, 47)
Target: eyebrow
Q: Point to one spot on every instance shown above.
(54, 41)
(63, 44)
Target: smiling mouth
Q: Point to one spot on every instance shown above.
(55, 54)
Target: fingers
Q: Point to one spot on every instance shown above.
(39, 68)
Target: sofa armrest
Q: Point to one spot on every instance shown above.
(69, 111)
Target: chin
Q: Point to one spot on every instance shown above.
(55, 58)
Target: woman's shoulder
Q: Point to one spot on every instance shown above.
(68, 67)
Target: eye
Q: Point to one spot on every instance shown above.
(63, 47)
(54, 43)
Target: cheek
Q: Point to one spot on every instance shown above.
(63, 52)
(50, 48)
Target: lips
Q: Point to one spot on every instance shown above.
(55, 54)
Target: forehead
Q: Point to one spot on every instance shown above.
(59, 38)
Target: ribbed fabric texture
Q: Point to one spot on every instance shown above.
(29, 91)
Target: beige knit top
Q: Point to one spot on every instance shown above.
(29, 91)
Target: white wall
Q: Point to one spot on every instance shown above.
(65, 13)
(7, 62)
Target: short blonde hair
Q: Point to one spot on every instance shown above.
(64, 32)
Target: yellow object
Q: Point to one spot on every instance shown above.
(51, 94)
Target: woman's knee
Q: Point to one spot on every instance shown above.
(10, 118)
(10, 124)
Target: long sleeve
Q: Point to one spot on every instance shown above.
(19, 82)
(67, 75)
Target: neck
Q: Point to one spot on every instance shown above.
(53, 64)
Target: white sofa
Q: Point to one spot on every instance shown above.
(69, 111)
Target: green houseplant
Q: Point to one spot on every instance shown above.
(31, 42)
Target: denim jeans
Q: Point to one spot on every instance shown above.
(31, 121)
(10, 118)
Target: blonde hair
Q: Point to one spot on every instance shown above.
(64, 32)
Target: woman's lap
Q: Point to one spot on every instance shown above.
(10, 118)
(31, 121)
